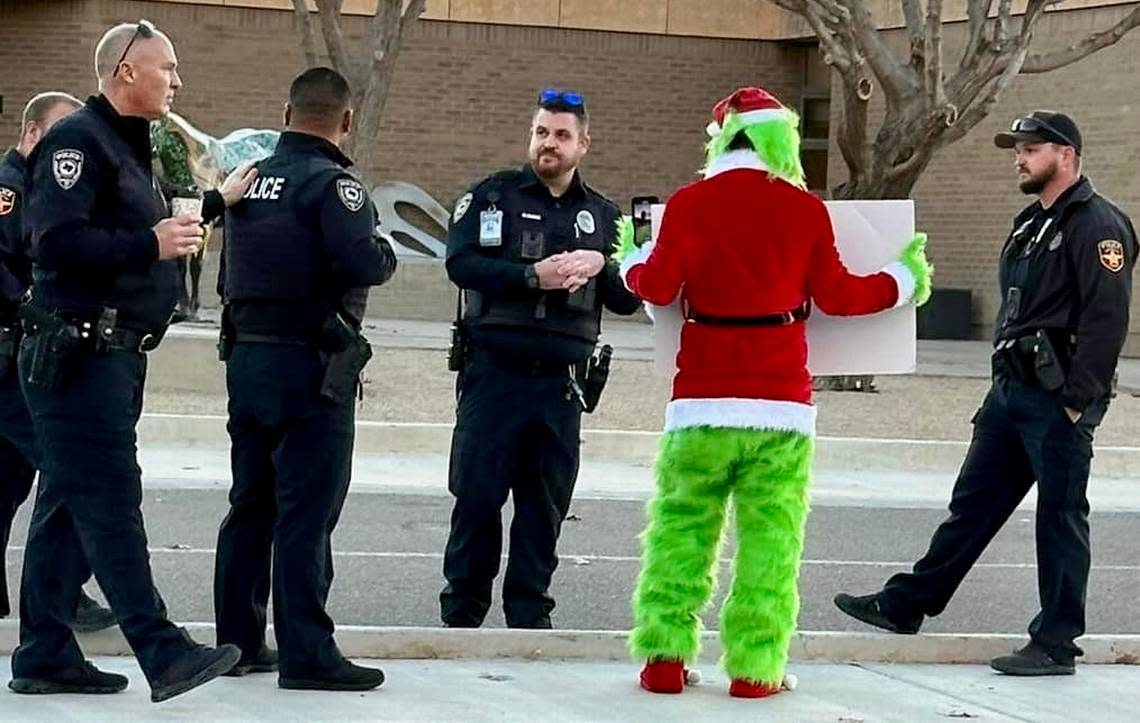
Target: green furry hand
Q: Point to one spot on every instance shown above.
(625, 244)
(914, 259)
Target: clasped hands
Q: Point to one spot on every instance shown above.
(569, 270)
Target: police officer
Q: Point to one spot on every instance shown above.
(528, 247)
(301, 251)
(103, 290)
(18, 454)
(1066, 278)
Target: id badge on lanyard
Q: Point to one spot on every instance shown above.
(491, 227)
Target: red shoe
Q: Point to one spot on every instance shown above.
(742, 688)
(663, 676)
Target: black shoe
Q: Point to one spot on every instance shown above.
(346, 676)
(90, 616)
(264, 662)
(1032, 660)
(866, 608)
(85, 679)
(197, 666)
(540, 624)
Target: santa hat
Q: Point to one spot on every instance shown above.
(770, 126)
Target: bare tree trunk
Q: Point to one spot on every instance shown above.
(369, 74)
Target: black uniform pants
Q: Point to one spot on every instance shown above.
(291, 453)
(1021, 435)
(88, 509)
(17, 462)
(516, 433)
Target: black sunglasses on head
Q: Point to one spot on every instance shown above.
(143, 28)
(1029, 124)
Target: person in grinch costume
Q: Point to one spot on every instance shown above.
(748, 250)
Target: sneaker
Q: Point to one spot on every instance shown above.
(85, 679)
(346, 676)
(866, 608)
(264, 662)
(197, 666)
(1032, 660)
(90, 616)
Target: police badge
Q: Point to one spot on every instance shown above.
(1111, 253)
(351, 194)
(585, 221)
(7, 201)
(67, 165)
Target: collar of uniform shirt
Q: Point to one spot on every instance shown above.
(134, 130)
(1081, 191)
(14, 159)
(307, 143)
(530, 179)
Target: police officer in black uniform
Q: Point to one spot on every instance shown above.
(103, 290)
(301, 251)
(1066, 279)
(18, 454)
(529, 249)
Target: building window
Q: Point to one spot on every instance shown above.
(815, 118)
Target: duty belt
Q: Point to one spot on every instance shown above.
(782, 319)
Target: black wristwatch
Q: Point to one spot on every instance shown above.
(530, 276)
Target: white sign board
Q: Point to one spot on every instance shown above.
(869, 235)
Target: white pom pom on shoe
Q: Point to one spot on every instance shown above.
(692, 676)
(790, 682)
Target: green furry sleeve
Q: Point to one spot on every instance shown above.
(625, 245)
(914, 259)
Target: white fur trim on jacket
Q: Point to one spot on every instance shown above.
(741, 413)
(640, 256)
(904, 279)
(735, 160)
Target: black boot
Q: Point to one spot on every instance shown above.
(1033, 660)
(86, 679)
(346, 676)
(90, 616)
(197, 666)
(264, 662)
(867, 609)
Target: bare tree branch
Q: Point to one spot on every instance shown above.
(414, 10)
(1044, 62)
(912, 11)
(978, 13)
(935, 90)
(1001, 27)
(303, 24)
(334, 36)
(984, 107)
(897, 80)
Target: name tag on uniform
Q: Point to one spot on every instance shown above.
(491, 228)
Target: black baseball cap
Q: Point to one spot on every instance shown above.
(1042, 126)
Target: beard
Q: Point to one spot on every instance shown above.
(545, 169)
(1036, 183)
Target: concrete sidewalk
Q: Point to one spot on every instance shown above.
(564, 691)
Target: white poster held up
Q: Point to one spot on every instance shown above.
(869, 235)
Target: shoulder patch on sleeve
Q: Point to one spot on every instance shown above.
(7, 200)
(1111, 255)
(461, 207)
(67, 166)
(351, 193)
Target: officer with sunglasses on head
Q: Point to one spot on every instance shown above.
(529, 249)
(103, 288)
(1066, 280)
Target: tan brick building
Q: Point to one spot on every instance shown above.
(650, 70)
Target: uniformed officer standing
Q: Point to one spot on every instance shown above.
(103, 290)
(529, 248)
(1066, 280)
(301, 251)
(19, 456)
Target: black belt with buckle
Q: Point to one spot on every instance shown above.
(128, 340)
(786, 318)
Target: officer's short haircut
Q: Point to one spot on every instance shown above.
(112, 47)
(39, 106)
(320, 95)
(561, 106)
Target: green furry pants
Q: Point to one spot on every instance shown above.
(766, 473)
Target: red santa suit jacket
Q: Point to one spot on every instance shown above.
(743, 243)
